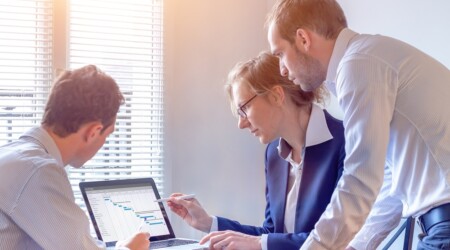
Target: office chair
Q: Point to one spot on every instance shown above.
(408, 226)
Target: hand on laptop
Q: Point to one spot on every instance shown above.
(231, 240)
(190, 211)
(139, 241)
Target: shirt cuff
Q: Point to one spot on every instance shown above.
(214, 225)
(264, 238)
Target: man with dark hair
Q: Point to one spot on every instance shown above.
(37, 208)
(397, 126)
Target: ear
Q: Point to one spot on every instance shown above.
(303, 39)
(278, 95)
(92, 130)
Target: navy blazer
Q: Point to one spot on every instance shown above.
(322, 168)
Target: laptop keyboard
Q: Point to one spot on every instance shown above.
(170, 243)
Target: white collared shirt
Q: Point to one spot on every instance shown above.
(395, 101)
(295, 177)
(317, 132)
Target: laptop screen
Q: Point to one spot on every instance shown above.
(118, 208)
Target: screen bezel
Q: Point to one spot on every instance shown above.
(108, 184)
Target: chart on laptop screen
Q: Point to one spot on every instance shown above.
(120, 212)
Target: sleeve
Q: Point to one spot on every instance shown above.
(286, 241)
(385, 215)
(366, 90)
(227, 224)
(47, 212)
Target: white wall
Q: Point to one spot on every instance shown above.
(424, 24)
(205, 152)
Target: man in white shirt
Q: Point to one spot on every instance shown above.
(395, 101)
(37, 205)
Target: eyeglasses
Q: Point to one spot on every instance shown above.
(240, 110)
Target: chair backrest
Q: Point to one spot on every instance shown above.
(408, 226)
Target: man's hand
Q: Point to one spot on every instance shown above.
(139, 241)
(190, 211)
(231, 240)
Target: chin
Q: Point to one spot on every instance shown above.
(306, 87)
(264, 140)
(77, 164)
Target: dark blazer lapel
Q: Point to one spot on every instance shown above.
(279, 175)
(302, 202)
(317, 183)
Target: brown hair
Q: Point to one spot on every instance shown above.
(262, 73)
(81, 96)
(324, 17)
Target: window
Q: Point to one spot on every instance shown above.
(121, 37)
(25, 64)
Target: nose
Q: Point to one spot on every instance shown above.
(242, 122)
(283, 70)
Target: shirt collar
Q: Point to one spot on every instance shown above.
(317, 132)
(339, 50)
(42, 137)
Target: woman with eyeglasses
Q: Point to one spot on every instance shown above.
(303, 162)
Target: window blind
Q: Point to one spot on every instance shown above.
(124, 39)
(25, 64)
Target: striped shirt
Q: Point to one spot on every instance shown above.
(396, 109)
(37, 206)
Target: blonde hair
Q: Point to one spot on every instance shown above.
(262, 73)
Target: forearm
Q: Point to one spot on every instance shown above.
(383, 218)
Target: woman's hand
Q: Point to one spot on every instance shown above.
(190, 211)
(231, 240)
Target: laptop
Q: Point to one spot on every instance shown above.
(119, 208)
